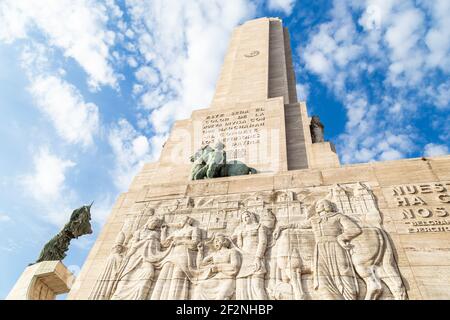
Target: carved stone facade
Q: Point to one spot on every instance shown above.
(301, 227)
(263, 245)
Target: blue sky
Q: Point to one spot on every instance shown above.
(89, 90)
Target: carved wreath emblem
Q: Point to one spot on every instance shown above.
(251, 54)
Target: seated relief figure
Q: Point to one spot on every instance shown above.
(138, 269)
(251, 238)
(217, 279)
(334, 274)
(176, 276)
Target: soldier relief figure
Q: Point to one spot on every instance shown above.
(334, 275)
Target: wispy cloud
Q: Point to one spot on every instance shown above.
(47, 180)
(285, 6)
(381, 73)
(75, 120)
(432, 150)
(77, 28)
(131, 151)
(4, 217)
(47, 185)
(173, 40)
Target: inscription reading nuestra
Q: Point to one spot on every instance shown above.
(236, 129)
(424, 206)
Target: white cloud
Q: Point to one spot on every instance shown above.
(438, 37)
(282, 5)
(131, 151)
(4, 218)
(47, 185)
(433, 150)
(391, 154)
(302, 91)
(75, 120)
(48, 180)
(317, 62)
(377, 73)
(441, 96)
(78, 28)
(174, 39)
(101, 209)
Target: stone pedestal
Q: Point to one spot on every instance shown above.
(42, 281)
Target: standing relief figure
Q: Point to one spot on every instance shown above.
(175, 278)
(138, 269)
(217, 278)
(251, 238)
(105, 285)
(334, 274)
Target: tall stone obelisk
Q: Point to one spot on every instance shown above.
(254, 112)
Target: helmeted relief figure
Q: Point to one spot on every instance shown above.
(105, 285)
(218, 270)
(251, 238)
(176, 276)
(334, 275)
(138, 270)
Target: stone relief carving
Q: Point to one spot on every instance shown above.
(333, 271)
(176, 268)
(217, 271)
(138, 270)
(317, 243)
(251, 239)
(105, 285)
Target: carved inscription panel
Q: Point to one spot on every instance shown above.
(422, 208)
(236, 129)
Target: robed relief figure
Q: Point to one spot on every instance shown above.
(333, 271)
(138, 269)
(251, 238)
(218, 270)
(105, 285)
(176, 276)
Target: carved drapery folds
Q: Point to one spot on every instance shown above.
(316, 243)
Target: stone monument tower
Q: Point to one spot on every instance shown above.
(248, 201)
